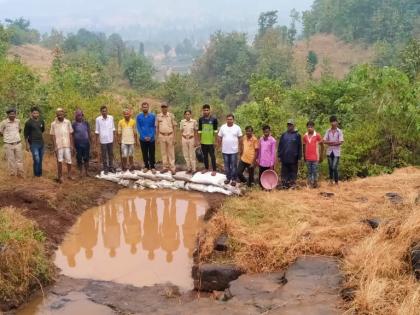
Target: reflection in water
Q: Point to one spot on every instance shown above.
(131, 226)
(190, 228)
(89, 224)
(152, 225)
(169, 230)
(151, 240)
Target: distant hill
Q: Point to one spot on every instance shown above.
(36, 57)
(334, 54)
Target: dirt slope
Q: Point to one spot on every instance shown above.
(335, 54)
(36, 57)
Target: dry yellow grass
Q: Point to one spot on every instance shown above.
(340, 56)
(23, 262)
(269, 230)
(34, 56)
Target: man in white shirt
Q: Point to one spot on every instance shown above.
(61, 134)
(105, 135)
(230, 137)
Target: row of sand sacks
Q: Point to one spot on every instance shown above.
(181, 180)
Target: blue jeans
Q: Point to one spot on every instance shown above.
(231, 164)
(312, 171)
(82, 153)
(37, 150)
(333, 166)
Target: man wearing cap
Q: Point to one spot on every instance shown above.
(10, 131)
(189, 127)
(166, 132)
(289, 153)
(61, 134)
(127, 138)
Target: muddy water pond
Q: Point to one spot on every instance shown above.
(139, 238)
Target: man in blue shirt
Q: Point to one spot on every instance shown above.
(289, 153)
(146, 130)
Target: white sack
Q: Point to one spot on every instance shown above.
(207, 179)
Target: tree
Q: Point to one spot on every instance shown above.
(139, 71)
(410, 59)
(4, 41)
(226, 66)
(166, 49)
(115, 47)
(141, 48)
(266, 21)
(20, 33)
(311, 62)
(275, 56)
(54, 39)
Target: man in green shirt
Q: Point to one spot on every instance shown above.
(207, 129)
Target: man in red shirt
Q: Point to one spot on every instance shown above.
(313, 147)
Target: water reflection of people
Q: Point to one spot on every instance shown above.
(87, 232)
(190, 228)
(111, 229)
(70, 248)
(151, 240)
(131, 226)
(169, 230)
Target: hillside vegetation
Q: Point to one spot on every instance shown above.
(335, 57)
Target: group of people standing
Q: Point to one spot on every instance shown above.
(239, 152)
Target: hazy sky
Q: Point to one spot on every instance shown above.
(125, 15)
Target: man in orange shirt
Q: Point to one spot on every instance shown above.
(249, 154)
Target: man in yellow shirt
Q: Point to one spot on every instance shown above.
(189, 128)
(249, 154)
(127, 138)
(166, 133)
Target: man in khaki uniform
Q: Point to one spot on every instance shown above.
(189, 128)
(166, 132)
(10, 131)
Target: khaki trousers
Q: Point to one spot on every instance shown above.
(14, 156)
(188, 150)
(167, 150)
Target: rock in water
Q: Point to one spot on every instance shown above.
(214, 277)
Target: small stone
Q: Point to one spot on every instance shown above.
(214, 277)
(394, 198)
(415, 260)
(221, 243)
(227, 295)
(326, 194)
(373, 223)
(347, 294)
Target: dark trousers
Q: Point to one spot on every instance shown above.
(333, 166)
(260, 171)
(37, 150)
(289, 174)
(148, 152)
(82, 154)
(241, 168)
(107, 154)
(231, 165)
(208, 149)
